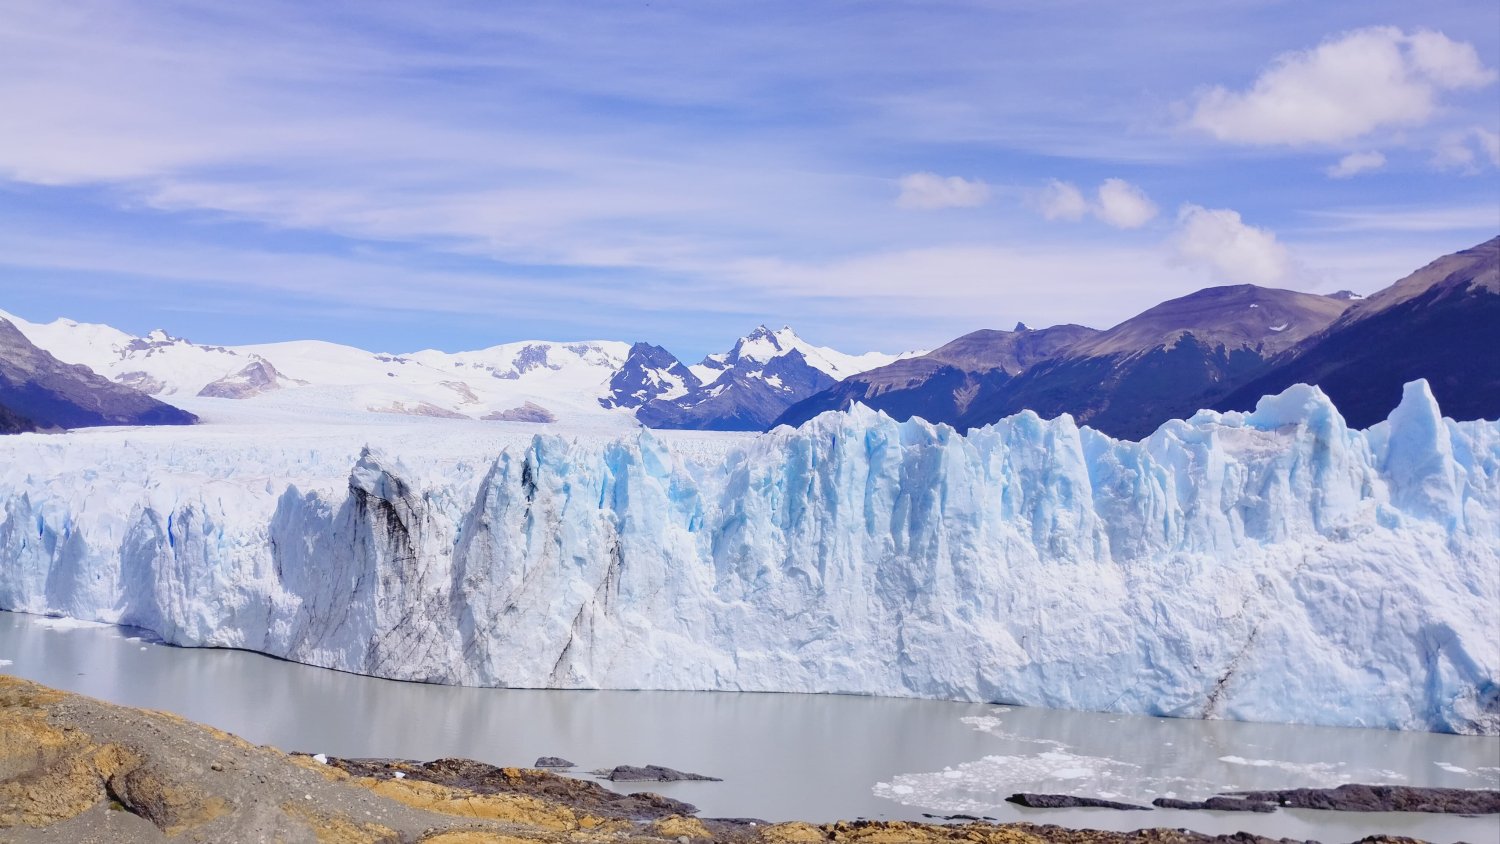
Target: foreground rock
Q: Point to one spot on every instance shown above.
(466, 775)
(76, 770)
(651, 773)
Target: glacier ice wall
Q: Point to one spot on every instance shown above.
(1271, 566)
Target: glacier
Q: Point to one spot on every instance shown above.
(1271, 566)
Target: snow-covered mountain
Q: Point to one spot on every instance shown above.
(1273, 565)
(744, 389)
(607, 383)
(38, 391)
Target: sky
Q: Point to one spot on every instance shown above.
(880, 175)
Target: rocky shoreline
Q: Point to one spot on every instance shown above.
(74, 769)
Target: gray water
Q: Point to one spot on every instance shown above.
(782, 757)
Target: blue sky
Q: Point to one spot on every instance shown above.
(880, 175)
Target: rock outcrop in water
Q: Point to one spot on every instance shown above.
(1069, 801)
(1272, 566)
(1382, 798)
(651, 773)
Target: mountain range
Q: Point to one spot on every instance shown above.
(1223, 348)
(598, 383)
(1220, 348)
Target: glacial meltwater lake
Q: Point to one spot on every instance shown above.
(781, 756)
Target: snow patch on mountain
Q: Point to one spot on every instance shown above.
(763, 345)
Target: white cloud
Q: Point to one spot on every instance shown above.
(1454, 153)
(1356, 162)
(1490, 143)
(1461, 150)
(1062, 201)
(1123, 205)
(1218, 240)
(1118, 203)
(1343, 89)
(929, 192)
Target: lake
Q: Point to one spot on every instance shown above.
(782, 756)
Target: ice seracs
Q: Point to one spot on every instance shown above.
(1272, 565)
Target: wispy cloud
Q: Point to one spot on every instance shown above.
(1355, 163)
(626, 165)
(929, 192)
(1457, 219)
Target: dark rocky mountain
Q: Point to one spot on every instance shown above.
(1165, 363)
(1224, 348)
(42, 392)
(1441, 323)
(747, 396)
(942, 384)
(650, 373)
(744, 389)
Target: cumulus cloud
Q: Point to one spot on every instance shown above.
(929, 191)
(1123, 205)
(1343, 89)
(1117, 202)
(1356, 162)
(1062, 201)
(1218, 240)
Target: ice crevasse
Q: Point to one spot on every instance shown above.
(1271, 566)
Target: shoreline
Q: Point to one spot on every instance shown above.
(87, 770)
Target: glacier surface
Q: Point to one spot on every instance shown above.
(1271, 566)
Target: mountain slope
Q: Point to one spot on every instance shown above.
(940, 385)
(14, 423)
(1441, 323)
(1165, 363)
(38, 390)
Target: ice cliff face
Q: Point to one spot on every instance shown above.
(1269, 566)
